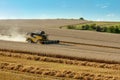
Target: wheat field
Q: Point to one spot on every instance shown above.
(20, 60)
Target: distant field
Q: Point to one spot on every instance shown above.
(38, 23)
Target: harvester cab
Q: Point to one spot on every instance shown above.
(39, 37)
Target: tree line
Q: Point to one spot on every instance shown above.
(94, 27)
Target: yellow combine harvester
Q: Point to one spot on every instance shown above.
(40, 38)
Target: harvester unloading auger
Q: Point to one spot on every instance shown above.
(39, 37)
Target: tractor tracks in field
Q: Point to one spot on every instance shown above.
(90, 47)
(86, 44)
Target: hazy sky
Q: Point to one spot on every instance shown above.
(41, 9)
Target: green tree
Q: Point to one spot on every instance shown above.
(71, 27)
(81, 18)
(105, 29)
(117, 29)
(111, 29)
(85, 27)
(93, 26)
(99, 29)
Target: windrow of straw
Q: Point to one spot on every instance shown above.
(61, 60)
(52, 72)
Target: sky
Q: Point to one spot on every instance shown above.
(97, 10)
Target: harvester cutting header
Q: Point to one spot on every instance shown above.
(39, 37)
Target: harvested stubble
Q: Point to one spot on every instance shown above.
(51, 72)
(61, 60)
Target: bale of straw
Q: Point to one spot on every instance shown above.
(46, 73)
(27, 69)
(38, 72)
(3, 65)
(36, 58)
(59, 74)
(17, 67)
(78, 76)
(10, 66)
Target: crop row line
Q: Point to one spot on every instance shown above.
(96, 45)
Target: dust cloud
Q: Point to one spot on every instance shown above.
(12, 34)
